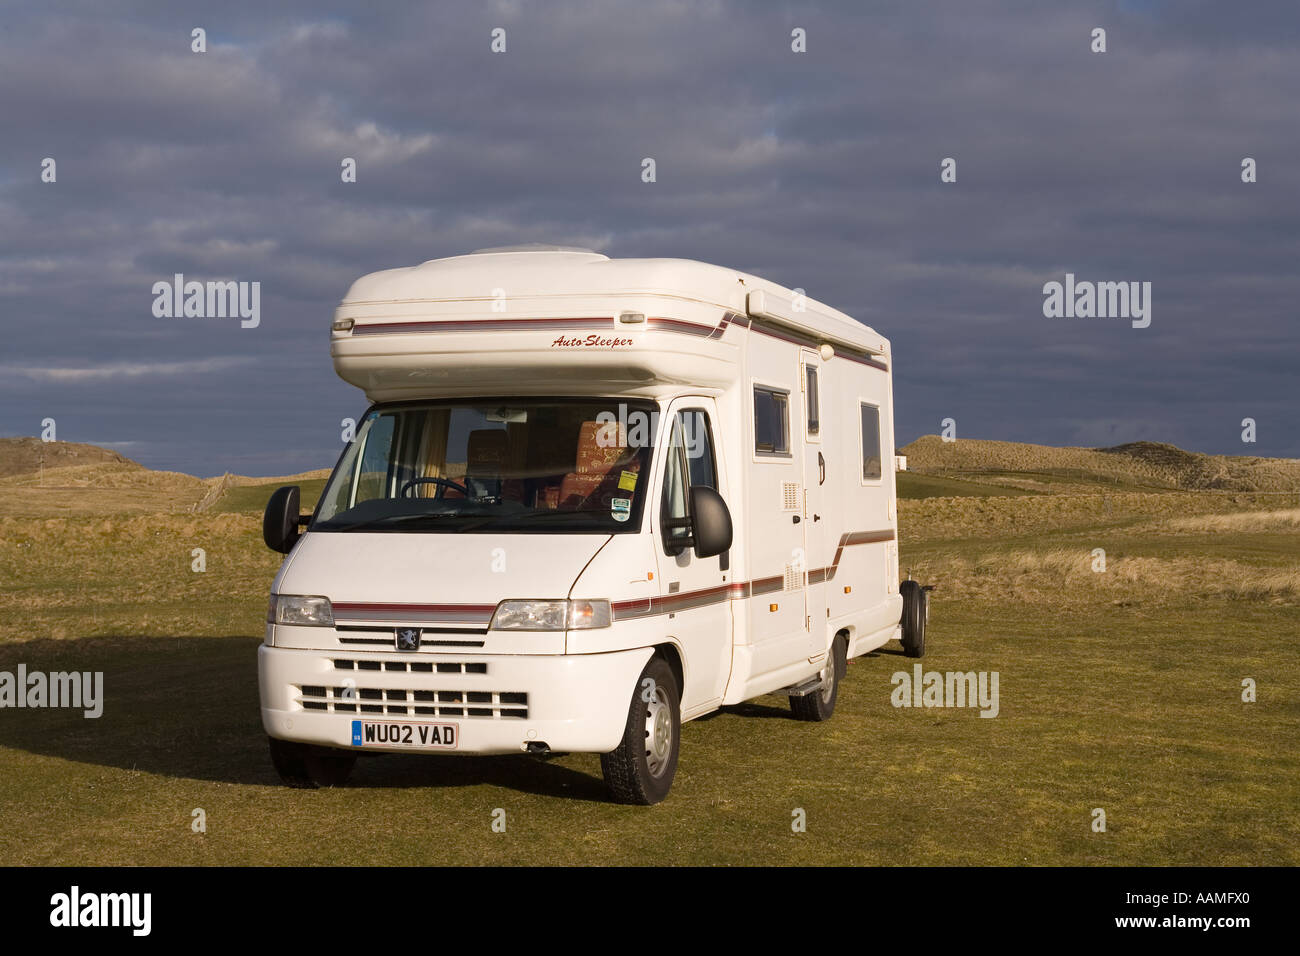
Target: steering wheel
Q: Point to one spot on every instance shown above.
(442, 482)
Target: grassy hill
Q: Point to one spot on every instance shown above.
(26, 456)
(86, 479)
(68, 478)
(977, 465)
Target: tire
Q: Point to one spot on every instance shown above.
(305, 768)
(641, 769)
(915, 614)
(820, 705)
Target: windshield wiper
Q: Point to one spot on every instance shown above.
(395, 519)
(557, 512)
(471, 524)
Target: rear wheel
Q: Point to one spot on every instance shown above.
(915, 601)
(820, 704)
(304, 767)
(641, 769)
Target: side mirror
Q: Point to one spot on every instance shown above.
(710, 522)
(280, 523)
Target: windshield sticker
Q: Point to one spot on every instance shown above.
(627, 481)
(620, 509)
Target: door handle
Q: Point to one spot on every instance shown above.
(821, 469)
(796, 519)
(817, 517)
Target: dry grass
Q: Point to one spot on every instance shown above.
(930, 519)
(101, 489)
(1066, 577)
(20, 456)
(1247, 522)
(117, 486)
(70, 577)
(1141, 463)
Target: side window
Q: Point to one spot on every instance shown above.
(689, 462)
(811, 399)
(771, 421)
(870, 441)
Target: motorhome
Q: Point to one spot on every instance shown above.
(591, 500)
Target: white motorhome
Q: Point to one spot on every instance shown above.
(592, 499)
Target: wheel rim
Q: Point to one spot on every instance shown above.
(828, 677)
(658, 732)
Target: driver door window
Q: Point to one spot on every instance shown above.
(689, 462)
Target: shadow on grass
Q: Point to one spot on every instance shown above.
(747, 710)
(187, 707)
(753, 708)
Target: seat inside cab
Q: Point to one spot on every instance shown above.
(566, 464)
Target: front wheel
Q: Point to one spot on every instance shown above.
(641, 769)
(305, 768)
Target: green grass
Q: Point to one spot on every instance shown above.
(1133, 707)
(253, 498)
(915, 485)
(1138, 716)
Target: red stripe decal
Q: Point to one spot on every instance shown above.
(739, 590)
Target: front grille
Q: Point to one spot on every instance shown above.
(390, 643)
(427, 667)
(427, 703)
(365, 634)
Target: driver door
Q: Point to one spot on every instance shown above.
(695, 591)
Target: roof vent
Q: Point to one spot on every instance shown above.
(532, 247)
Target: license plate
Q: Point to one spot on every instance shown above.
(417, 735)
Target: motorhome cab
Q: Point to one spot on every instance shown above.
(592, 499)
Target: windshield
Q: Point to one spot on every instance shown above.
(534, 465)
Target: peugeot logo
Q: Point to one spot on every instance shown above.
(408, 639)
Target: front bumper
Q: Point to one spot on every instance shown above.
(570, 702)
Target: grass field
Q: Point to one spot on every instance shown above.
(1118, 690)
(253, 497)
(911, 485)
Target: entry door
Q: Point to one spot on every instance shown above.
(695, 591)
(817, 557)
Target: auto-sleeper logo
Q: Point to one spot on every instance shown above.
(35, 689)
(1102, 300)
(208, 300)
(75, 908)
(588, 342)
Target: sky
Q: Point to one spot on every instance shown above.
(818, 169)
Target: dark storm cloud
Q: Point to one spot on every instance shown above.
(817, 170)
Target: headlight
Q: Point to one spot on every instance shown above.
(301, 611)
(550, 615)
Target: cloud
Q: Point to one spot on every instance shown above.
(122, 371)
(818, 170)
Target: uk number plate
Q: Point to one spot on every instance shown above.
(405, 733)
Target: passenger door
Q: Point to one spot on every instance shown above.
(817, 556)
(777, 604)
(694, 591)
